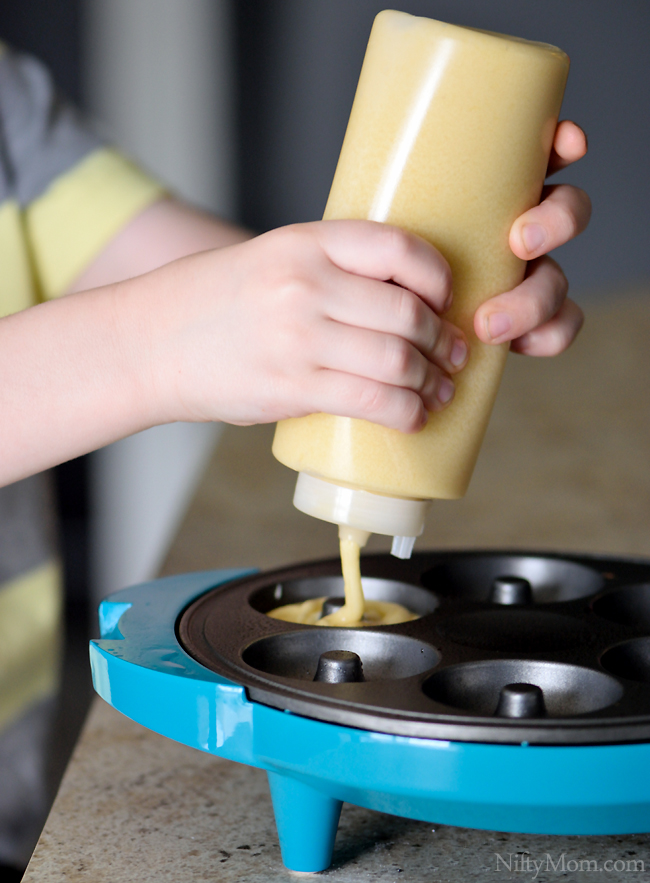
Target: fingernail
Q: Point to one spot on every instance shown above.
(458, 353)
(534, 236)
(445, 391)
(497, 325)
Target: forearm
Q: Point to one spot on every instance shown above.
(73, 377)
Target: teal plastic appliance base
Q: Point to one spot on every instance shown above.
(141, 670)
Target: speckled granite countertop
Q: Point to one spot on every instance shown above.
(565, 465)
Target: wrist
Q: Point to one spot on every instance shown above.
(141, 332)
(159, 341)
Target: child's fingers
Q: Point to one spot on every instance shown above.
(530, 305)
(563, 214)
(569, 145)
(378, 306)
(385, 358)
(554, 336)
(450, 351)
(348, 395)
(381, 251)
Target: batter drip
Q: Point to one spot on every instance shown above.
(356, 611)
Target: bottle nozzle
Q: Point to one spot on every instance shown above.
(402, 546)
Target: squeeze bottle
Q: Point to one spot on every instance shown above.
(449, 137)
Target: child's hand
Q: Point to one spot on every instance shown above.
(537, 316)
(299, 321)
(302, 319)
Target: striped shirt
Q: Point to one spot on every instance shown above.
(63, 196)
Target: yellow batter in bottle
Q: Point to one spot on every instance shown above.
(449, 137)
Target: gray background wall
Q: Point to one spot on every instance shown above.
(298, 65)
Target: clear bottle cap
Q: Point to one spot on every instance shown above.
(375, 513)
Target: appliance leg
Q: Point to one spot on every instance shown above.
(306, 820)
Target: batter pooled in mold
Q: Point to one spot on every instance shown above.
(356, 611)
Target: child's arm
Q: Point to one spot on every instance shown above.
(293, 322)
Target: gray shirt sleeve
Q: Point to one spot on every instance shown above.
(41, 135)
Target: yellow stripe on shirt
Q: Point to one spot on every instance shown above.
(30, 639)
(81, 212)
(16, 277)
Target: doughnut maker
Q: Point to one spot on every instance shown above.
(518, 701)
